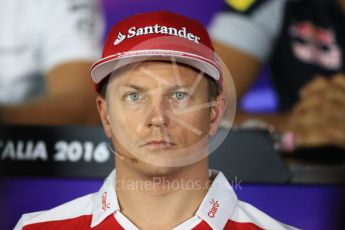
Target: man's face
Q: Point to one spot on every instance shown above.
(158, 113)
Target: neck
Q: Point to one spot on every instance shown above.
(161, 198)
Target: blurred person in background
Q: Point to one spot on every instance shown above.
(303, 43)
(45, 45)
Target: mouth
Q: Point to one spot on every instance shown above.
(158, 144)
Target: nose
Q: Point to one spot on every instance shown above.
(158, 116)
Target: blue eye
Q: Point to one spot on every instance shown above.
(133, 96)
(180, 95)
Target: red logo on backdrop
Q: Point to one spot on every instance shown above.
(214, 208)
(315, 45)
(105, 204)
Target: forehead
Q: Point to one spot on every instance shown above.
(154, 73)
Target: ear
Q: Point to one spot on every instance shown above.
(103, 113)
(217, 113)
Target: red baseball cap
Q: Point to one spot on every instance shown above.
(158, 35)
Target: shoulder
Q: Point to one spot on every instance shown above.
(78, 210)
(73, 6)
(250, 27)
(246, 216)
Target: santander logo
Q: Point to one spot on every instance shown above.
(156, 29)
(120, 38)
(214, 208)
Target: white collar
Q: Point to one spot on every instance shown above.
(105, 201)
(219, 202)
(215, 209)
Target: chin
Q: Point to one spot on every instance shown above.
(156, 171)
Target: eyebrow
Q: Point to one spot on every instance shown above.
(136, 87)
(144, 89)
(179, 87)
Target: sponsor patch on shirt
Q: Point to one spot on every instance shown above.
(245, 7)
(240, 5)
(312, 44)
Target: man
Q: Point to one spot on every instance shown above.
(45, 44)
(303, 43)
(161, 98)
